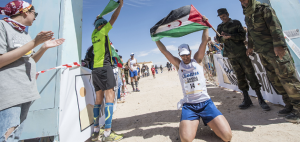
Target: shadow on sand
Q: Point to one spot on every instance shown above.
(240, 120)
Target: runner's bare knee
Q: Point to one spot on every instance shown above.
(109, 95)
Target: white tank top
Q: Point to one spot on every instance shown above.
(133, 62)
(193, 83)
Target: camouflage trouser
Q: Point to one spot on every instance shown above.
(243, 69)
(126, 77)
(281, 74)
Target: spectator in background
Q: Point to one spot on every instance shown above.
(139, 71)
(89, 57)
(161, 68)
(126, 71)
(217, 46)
(156, 69)
(153, 71)
(143, 70)
(168, 66)
(147, 69)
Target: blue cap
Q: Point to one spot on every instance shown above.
(100, 22)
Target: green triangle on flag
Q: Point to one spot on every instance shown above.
(111, 6)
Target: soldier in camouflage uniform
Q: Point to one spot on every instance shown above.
(233, 36)
(266, 38)
(126, 71)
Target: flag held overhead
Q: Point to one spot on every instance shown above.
(178, 23)
(111, 6)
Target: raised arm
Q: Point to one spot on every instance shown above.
(201, 52)
(174, 60)
(114, 17)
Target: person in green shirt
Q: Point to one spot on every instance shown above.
(103, 77)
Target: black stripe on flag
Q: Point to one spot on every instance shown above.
(173, 15)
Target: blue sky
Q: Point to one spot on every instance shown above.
(131, 31)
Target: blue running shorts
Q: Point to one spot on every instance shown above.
(133, 73)
(205, 110)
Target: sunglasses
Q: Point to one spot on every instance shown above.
(36, 14)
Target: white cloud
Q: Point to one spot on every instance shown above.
(195, 46)
(172, 48)
(138, 3)
(156, 51)
(142, 54)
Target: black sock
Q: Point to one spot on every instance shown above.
(132, 85)
(136, 84)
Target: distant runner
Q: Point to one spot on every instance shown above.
(132, 62)
(153, 71)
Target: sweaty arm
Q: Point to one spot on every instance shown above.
(201, 51)
(275, 27)
(174, 60)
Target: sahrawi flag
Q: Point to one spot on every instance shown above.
(115, 55)
(111, 6)
(178, 23)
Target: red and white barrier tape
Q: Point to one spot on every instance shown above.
(74, 64)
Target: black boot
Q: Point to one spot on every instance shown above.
(286, 111)
(293, 117)
(247, 101)
(261, 101)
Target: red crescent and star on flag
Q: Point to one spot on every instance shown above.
(180, 23)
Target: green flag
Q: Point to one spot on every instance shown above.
(115, 54)
(111, 6)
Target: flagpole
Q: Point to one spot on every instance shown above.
(216, 31)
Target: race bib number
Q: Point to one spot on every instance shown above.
(192, 83)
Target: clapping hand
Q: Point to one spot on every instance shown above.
(53, 43)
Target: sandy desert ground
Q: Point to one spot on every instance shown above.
(152, 116)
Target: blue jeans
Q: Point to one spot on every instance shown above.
(119, 93)
(13, 117)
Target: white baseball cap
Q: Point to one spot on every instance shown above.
(184, 49)
(132, 54)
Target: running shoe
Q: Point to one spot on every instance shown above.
(113, 137)
(137, 90)
(98, 135)
(133, 90)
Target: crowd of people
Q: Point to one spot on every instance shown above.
(264, 36)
